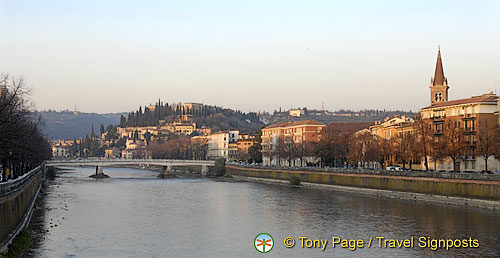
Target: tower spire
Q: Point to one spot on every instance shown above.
(439, 84)
(439, 74)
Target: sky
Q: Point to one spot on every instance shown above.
(114, 56)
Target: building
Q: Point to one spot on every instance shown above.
(60, 152)
(390, 127)
(218, 144)
(184, 128)
(113, 152)
(290, 143)
(193, 107)
(439, 83)
(464, 116)
(238, 150)
(204, 130)
(61, 148)
(296, 112)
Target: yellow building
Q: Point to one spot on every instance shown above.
(391, 127)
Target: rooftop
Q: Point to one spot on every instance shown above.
(291, 124)
(485, 98)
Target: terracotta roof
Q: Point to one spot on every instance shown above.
(348, 126)
(290, 124)
(439, 74)
(492, 98)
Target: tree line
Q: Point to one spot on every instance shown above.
(422, 142)
(22, 144)
(214, 117)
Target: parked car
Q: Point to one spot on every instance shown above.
(394, 168)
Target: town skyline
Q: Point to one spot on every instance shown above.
(346, 55)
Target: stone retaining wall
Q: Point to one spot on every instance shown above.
(461, 186)
(16, 199)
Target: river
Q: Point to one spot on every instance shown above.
(134, 214)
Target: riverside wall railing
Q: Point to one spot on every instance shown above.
(17, 198)
(476, 186)
(429, 174)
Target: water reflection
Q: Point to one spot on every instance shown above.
(134, 214)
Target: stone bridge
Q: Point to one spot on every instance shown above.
(167, 164)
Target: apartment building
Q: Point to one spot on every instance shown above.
(290, 143)
(218, 143)
(465, 115)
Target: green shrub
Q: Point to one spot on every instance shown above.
(20, 244)
(220, 167)
(294, 180)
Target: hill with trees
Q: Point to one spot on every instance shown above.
(67, 125)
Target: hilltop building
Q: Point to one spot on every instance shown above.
(296, 112)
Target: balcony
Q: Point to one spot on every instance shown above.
(470, 130)
(469, 116)
(437, 118)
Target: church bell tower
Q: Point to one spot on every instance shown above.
(439, 83)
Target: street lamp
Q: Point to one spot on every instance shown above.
(10, 165)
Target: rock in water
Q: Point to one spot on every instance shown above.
(98, 176)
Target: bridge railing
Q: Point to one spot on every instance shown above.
(93, 160)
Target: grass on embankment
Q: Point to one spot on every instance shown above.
(20, 244)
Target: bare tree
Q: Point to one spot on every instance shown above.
(424, 140)
(454, 147)
(487, 140)
(22, 145)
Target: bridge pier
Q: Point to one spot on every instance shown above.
(166, 172)
(204, 170)
(99, 173)
(98, 170)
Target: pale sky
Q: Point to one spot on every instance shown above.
(114, 56)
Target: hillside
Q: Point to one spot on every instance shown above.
(70, 125)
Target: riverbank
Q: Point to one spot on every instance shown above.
(32, 232)
(486, 204)
(474, 193)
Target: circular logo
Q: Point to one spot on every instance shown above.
(263, 243)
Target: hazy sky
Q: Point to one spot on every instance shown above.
(113, 56)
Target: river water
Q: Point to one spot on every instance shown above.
(134, 214)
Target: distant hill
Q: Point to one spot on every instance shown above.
(327, 117)
(70, 125)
